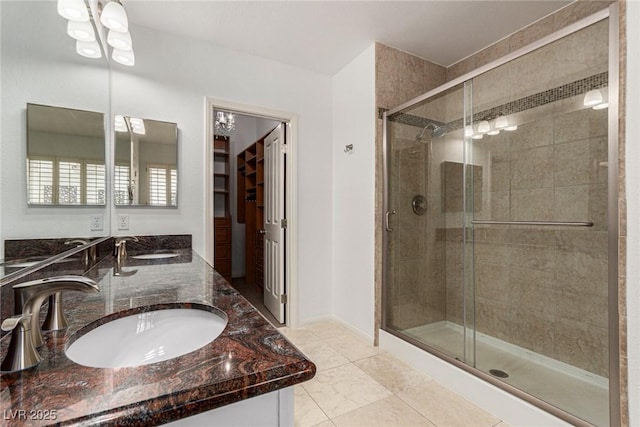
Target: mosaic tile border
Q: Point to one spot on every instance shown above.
(539, 99)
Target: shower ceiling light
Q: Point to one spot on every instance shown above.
(82, 31)
(73, 10)
(593, 97)
(501, 122)
(88, 49)
(468, 131)
(483, 127)
(114, 17)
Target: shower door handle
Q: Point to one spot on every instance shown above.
(386, 220)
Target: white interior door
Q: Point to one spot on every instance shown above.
(274, 214)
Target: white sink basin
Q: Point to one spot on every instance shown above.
(154, 256)
(146, 338)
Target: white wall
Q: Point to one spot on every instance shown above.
(170, 81)
(39, 65)
(353, 192)
(633, 208)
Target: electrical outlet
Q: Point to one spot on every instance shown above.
(123, 222)
(96, 222)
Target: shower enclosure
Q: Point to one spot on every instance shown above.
(497, 252)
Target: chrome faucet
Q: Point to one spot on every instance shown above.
(88, 254)
(25, 325)
(121, 248)
(29, 296)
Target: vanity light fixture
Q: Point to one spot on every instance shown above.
(73, 10)
(120, 41)
(88, 49)
(114, 17)
(124, 57)
(81, 30)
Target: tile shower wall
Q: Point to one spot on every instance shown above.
(543, 289)
(546, 289)
(399, 78)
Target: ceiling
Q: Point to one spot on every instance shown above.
(324, 36)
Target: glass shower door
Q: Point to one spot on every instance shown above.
(425, 227)
(540, 253)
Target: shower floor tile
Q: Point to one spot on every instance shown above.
(575, 391)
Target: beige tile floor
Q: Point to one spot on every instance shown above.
(357, 385)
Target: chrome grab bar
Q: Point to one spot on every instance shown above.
(386, 220)
(542, 223)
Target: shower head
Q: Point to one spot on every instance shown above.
(436, 131)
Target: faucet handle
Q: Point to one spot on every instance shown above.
(29, 296)
(55, 319)
(13, 322)
(22, 353)
(79, 242)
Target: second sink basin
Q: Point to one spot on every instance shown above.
(156, 256)
(147, 337)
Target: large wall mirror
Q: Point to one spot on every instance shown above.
(65, 156)
(39, 65)
(146, 162)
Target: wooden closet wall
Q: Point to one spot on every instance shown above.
(250, 209)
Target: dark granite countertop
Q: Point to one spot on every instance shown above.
(249, 358)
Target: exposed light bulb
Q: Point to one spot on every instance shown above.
(593, 97)
(119, 40)
(82, 31)
(114, 17)
(73, 10)
(88, 49)
(124, 57)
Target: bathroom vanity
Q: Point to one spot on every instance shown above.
(243, 376)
